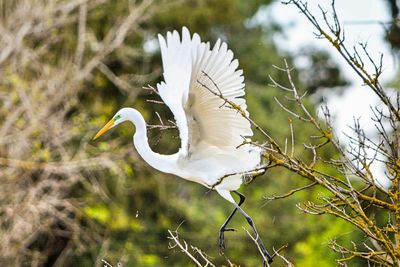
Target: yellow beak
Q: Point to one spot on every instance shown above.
(106, 127)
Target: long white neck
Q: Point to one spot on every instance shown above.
(164, 163)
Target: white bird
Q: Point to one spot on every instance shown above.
(211, 133)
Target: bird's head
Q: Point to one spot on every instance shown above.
(119, 117)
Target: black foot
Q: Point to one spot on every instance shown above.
(269, 261)
(267, 256)
(265, 253)
(221, 240)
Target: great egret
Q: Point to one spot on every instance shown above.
(210, 133)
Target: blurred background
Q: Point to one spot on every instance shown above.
(67, 66)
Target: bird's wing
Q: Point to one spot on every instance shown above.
(210, 121)
(177, 65)
(201, 116)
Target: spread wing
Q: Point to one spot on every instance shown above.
(210, 121)
(200, 115)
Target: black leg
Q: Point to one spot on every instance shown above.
(257, 236)
(223, 228)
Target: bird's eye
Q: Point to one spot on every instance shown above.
(117, 117)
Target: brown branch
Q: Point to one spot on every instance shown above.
(291, 192)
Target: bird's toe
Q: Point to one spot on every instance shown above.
(221, 241)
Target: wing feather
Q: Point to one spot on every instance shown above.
(219, 125)
(201, 116)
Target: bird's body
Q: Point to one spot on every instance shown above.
(206, 165)
(211, 132)
(211, 159)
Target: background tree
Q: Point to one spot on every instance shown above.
(393, 32)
